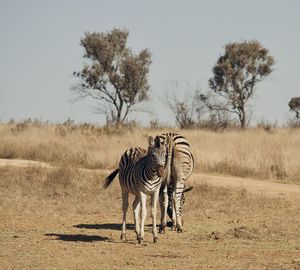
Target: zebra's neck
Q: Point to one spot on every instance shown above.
(148, 177)
(150, 169)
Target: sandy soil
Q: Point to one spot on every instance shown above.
(23, 163)
(224, 229)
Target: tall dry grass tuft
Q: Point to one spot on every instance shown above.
(273, 154)
(84, 146)
(254, 153)
(62, 189)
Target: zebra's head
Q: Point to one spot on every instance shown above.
(157, 155)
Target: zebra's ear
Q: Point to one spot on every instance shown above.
(150, 141)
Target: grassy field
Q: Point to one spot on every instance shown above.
(61, 218)
(257, 153)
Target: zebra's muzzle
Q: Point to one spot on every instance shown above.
(160, 171)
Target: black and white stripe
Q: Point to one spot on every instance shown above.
(180, 165)
(170, 210)
(140, 173)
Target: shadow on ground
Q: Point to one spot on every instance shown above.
(77, 237)
(107, 226)
(112, 226)
(104, 226)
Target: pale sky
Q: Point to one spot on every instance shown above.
(40, 49)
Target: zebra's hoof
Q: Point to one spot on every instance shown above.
(141, 240)
(173, 228)
(155, 240)
(123, 237)
(162, 229)
(179, 229)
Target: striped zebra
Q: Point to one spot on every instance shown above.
(180, 166)
(141, 173)
(170, 210)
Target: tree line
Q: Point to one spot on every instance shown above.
(117, 79)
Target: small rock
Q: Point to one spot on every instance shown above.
(215, 235)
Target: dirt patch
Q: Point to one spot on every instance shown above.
(244, 232)
(263, 187)
(241, 232)
(22, 163)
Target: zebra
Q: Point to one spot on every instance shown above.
(141, 173)
(180, 166)
(170, 209)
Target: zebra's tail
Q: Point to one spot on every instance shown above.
(170, 146)
(187, 189)
(110, 178)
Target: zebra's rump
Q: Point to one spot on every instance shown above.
(131, 156)
(181, 153)
(180, 143)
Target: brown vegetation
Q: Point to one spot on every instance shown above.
(271, 154)
(59, 216)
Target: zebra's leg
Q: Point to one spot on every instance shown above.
(174, 219)
(124, 209)
(143, 200)
(170, 209)
(177, 196)
(182, 200)
(136, 213)
(154, 199)
(163, 202)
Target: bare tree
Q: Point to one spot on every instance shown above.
(217, 112)
(181, 104)
(236, 74)
(115, 77)
(182, 110)
(294, 105)
(192, 109)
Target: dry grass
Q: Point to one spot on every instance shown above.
(253, 153)
(66, 189)
(62, 218)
